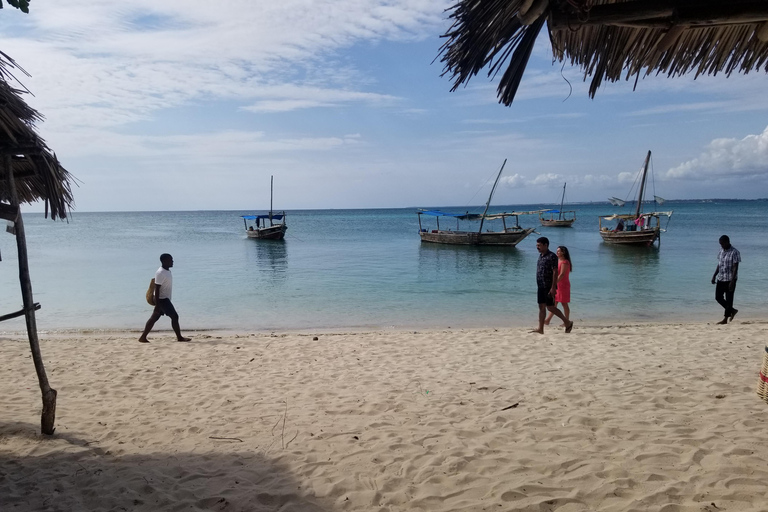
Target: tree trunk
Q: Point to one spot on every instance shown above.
(49, 394)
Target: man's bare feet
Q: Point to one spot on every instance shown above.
(546, 322)
(184, 339)
(537, 331)
(723, 321)
(143, 340)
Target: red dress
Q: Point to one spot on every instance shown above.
(563, 293)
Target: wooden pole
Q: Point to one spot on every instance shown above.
(49, 394)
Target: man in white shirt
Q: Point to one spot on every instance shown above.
(163, 304)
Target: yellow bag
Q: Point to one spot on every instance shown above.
(151, 293)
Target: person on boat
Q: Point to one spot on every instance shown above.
(546, 282)
(563, 293)
(620, 225)
(725, 276)
(163, 304)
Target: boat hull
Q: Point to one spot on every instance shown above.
(644, 237)
(268, 233)
(509, 238)
(557, 223)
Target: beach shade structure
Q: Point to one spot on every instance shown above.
(29, 172)
(607, 39)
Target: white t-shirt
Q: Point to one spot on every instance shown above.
(164, 279)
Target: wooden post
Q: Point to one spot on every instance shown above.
(49, 394)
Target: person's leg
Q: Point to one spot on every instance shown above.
(156, 314)
(566, 323)
(720, 296)
(549, 317)
(729, 292)
(566, 310)
(171, 312)
(542, 315)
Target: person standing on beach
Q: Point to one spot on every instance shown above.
(563, 293)
(725, 276)
(546, 282)
(163, 305)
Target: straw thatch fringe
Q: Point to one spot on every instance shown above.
(37, 172)
(608, 39)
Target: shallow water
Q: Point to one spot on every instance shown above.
(368, 269)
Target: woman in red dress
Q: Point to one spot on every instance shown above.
(563, 292)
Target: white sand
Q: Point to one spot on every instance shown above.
(646, 417)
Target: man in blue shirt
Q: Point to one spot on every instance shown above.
(726, 273)
(546, 282)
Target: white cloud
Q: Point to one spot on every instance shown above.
(727, 158)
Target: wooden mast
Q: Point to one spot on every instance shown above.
(271, 181)
(49, 394)
(491, 196)
(562, 201)
(642, 185)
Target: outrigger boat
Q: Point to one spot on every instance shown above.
(264, 226)
(634, 229)
(509, 236)
(565, 218)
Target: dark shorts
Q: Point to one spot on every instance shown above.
(543, 296)
(165, 307)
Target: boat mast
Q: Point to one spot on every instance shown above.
(562, 201)
(642, 185)
(271, 181)
(491, 196)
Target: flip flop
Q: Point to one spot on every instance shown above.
(569, 328)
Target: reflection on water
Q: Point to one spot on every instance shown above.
(469, 258)
(269, 258)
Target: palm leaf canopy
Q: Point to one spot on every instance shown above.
(608, 39)
(37, 173)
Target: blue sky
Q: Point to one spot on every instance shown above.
(193, 105)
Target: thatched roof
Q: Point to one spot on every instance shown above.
(608, 39)
(37, 173)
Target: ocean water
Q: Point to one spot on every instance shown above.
(361, 269)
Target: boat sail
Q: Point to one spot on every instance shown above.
(264, 226)
(659, 200)
(638, 228)
(564, 218)
(615, 201)
(508, 236)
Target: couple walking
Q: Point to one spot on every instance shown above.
(554, 285)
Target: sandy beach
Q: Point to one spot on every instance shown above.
(618, 418)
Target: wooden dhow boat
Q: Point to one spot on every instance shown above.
(510, 235)
(634, 229)
(558, 218)
(264, 226)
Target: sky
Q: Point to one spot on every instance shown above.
(193, 105)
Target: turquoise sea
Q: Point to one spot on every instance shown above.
(366, 269)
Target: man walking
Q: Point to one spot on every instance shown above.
(163, 305)
(725, 276)
(546, 282)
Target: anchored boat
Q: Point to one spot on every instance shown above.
(634, 229)
(510, 235)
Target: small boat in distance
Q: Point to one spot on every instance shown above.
(638, 228)
(565, 218)
(508, 236)
(615, 201)
(264, 226)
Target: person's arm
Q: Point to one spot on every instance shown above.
(732, 286)
(714, 276)
(554, 282)
(157, 294)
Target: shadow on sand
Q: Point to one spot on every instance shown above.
(55, 477)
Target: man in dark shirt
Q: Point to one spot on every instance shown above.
(546, 281)
(726, 274)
